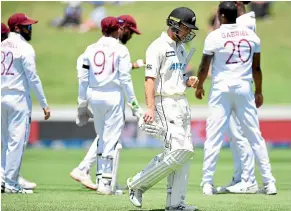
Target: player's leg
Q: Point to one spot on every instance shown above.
(4, 141)
(24, 183)
(18, 130)
(82, 172)
(177, 152)
(244, 153)
(99, 108)
(248, 117)
(114, 123)
(177, 182)
(216, 126)
(233, 132)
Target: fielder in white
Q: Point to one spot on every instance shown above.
(108, 76)
(22, 182)
(81, 173)
(18, 76)
(235, 54)
(168, 111)
(244, 164)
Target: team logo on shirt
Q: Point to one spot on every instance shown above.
(170, 53)
(149, 67)
(178, 66)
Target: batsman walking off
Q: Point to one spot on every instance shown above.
(168, 109)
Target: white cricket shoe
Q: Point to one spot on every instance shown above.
(269, 189)
(21, 190)
(26, 184)
(182, 207)
(222, 189)
(208, 189)
(135, 196)
(104, 187)
(243, 187)
(83, 177)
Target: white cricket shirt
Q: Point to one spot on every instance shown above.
(166, 62)
(109, 68)
(233, 46)
(18, 68)
(248, 20)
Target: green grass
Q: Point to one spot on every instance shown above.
(57, 50)
(57, 191)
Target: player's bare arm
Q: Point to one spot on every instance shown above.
(202, 74)
(150, 99)
(258, 78)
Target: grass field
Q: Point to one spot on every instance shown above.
(57, 50)
(57, 191)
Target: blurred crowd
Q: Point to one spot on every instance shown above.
(72, 16)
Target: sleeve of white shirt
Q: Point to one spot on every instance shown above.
(153, 61)
(209, 46)
(124, 75)
(257, 44)
(35, 84)
(83, 75)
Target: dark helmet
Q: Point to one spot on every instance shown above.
(185, 16)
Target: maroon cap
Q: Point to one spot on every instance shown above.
(130, 22)
(109, 24)
(19, 19)
(4, 29)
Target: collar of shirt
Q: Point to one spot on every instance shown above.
(166, 37)
(109, 39)
(16, 35)
(229, 26)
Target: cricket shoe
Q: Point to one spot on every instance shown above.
(269, 189)
(181, 207)
(208, 189)
(20, 190)
(26, 184)
(83, 177)
(222, 189)
(243, 187)
(135, 196)
(104, 187)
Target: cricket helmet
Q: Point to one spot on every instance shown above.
(185, 16)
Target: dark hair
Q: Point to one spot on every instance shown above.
(229, 10)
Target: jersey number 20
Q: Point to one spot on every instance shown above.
(230, 60)
(100, 56)
(5, 70)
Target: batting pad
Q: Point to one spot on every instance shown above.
(155, 172)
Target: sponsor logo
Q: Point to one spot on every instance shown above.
(178, 66)
(170, 53)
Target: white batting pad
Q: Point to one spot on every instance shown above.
(115, 167)
(159, 169)
(179, 185)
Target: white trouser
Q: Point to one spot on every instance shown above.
(242, 153)
(108, 112)
(90, 157)
(15, 128)
(174, 114)
(236, 96)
